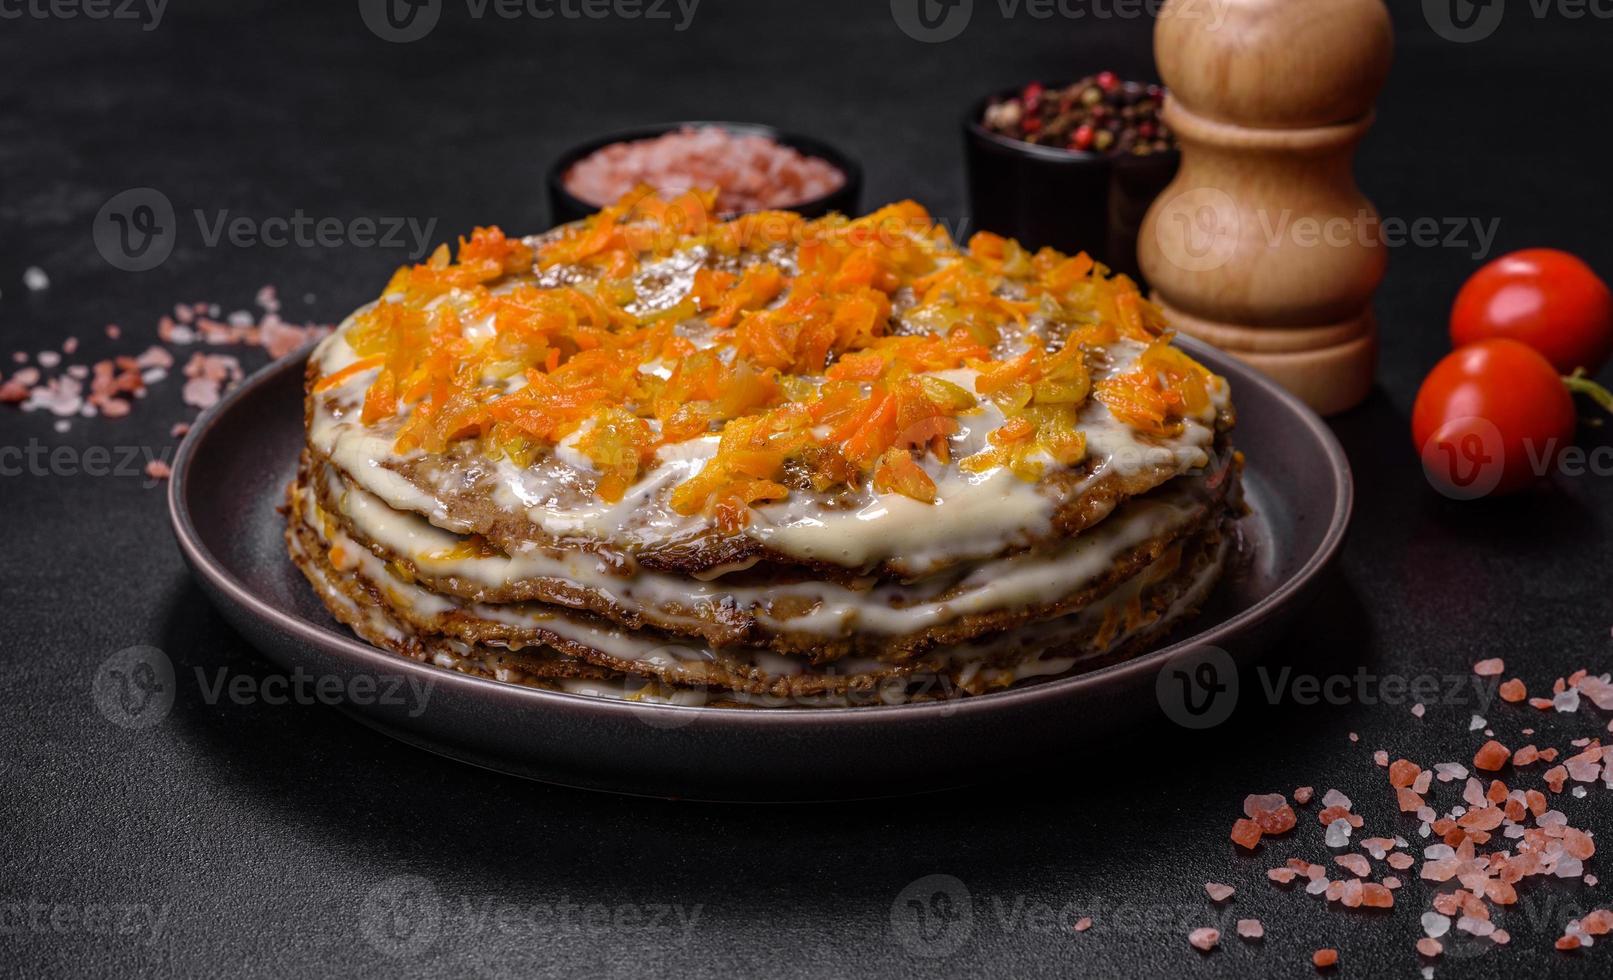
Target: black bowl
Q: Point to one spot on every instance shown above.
(564, 207)
(1067, 199)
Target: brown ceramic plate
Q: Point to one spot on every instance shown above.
(228, 481)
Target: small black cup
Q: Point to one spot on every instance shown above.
(564, 207)
(1067, 199)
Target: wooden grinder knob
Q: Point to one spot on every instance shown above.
(1263, 245)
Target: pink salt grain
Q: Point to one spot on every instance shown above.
(1251, 929)
(1204, 939)
(1376, 896)
(1246, 833)
(1354, 863)
(1217, 891)
(1490, 668)
(1083, 924)
(1491, 756)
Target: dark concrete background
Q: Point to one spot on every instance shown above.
(272, 839)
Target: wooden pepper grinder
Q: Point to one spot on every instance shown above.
(1263, 245)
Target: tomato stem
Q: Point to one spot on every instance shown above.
(1579, 384)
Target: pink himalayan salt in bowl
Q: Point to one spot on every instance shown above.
(751, 168)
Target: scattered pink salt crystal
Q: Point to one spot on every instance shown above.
(1204, 939)
(1251, 929)
(200, 393)
(1354, 863)
(1217, 891)
(1490, 668)
(154, 357)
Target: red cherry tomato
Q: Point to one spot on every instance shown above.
(1547, 299)
(1491, 417)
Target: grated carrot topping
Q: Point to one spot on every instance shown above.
(795, 366)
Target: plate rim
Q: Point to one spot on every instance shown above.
(208, 566)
